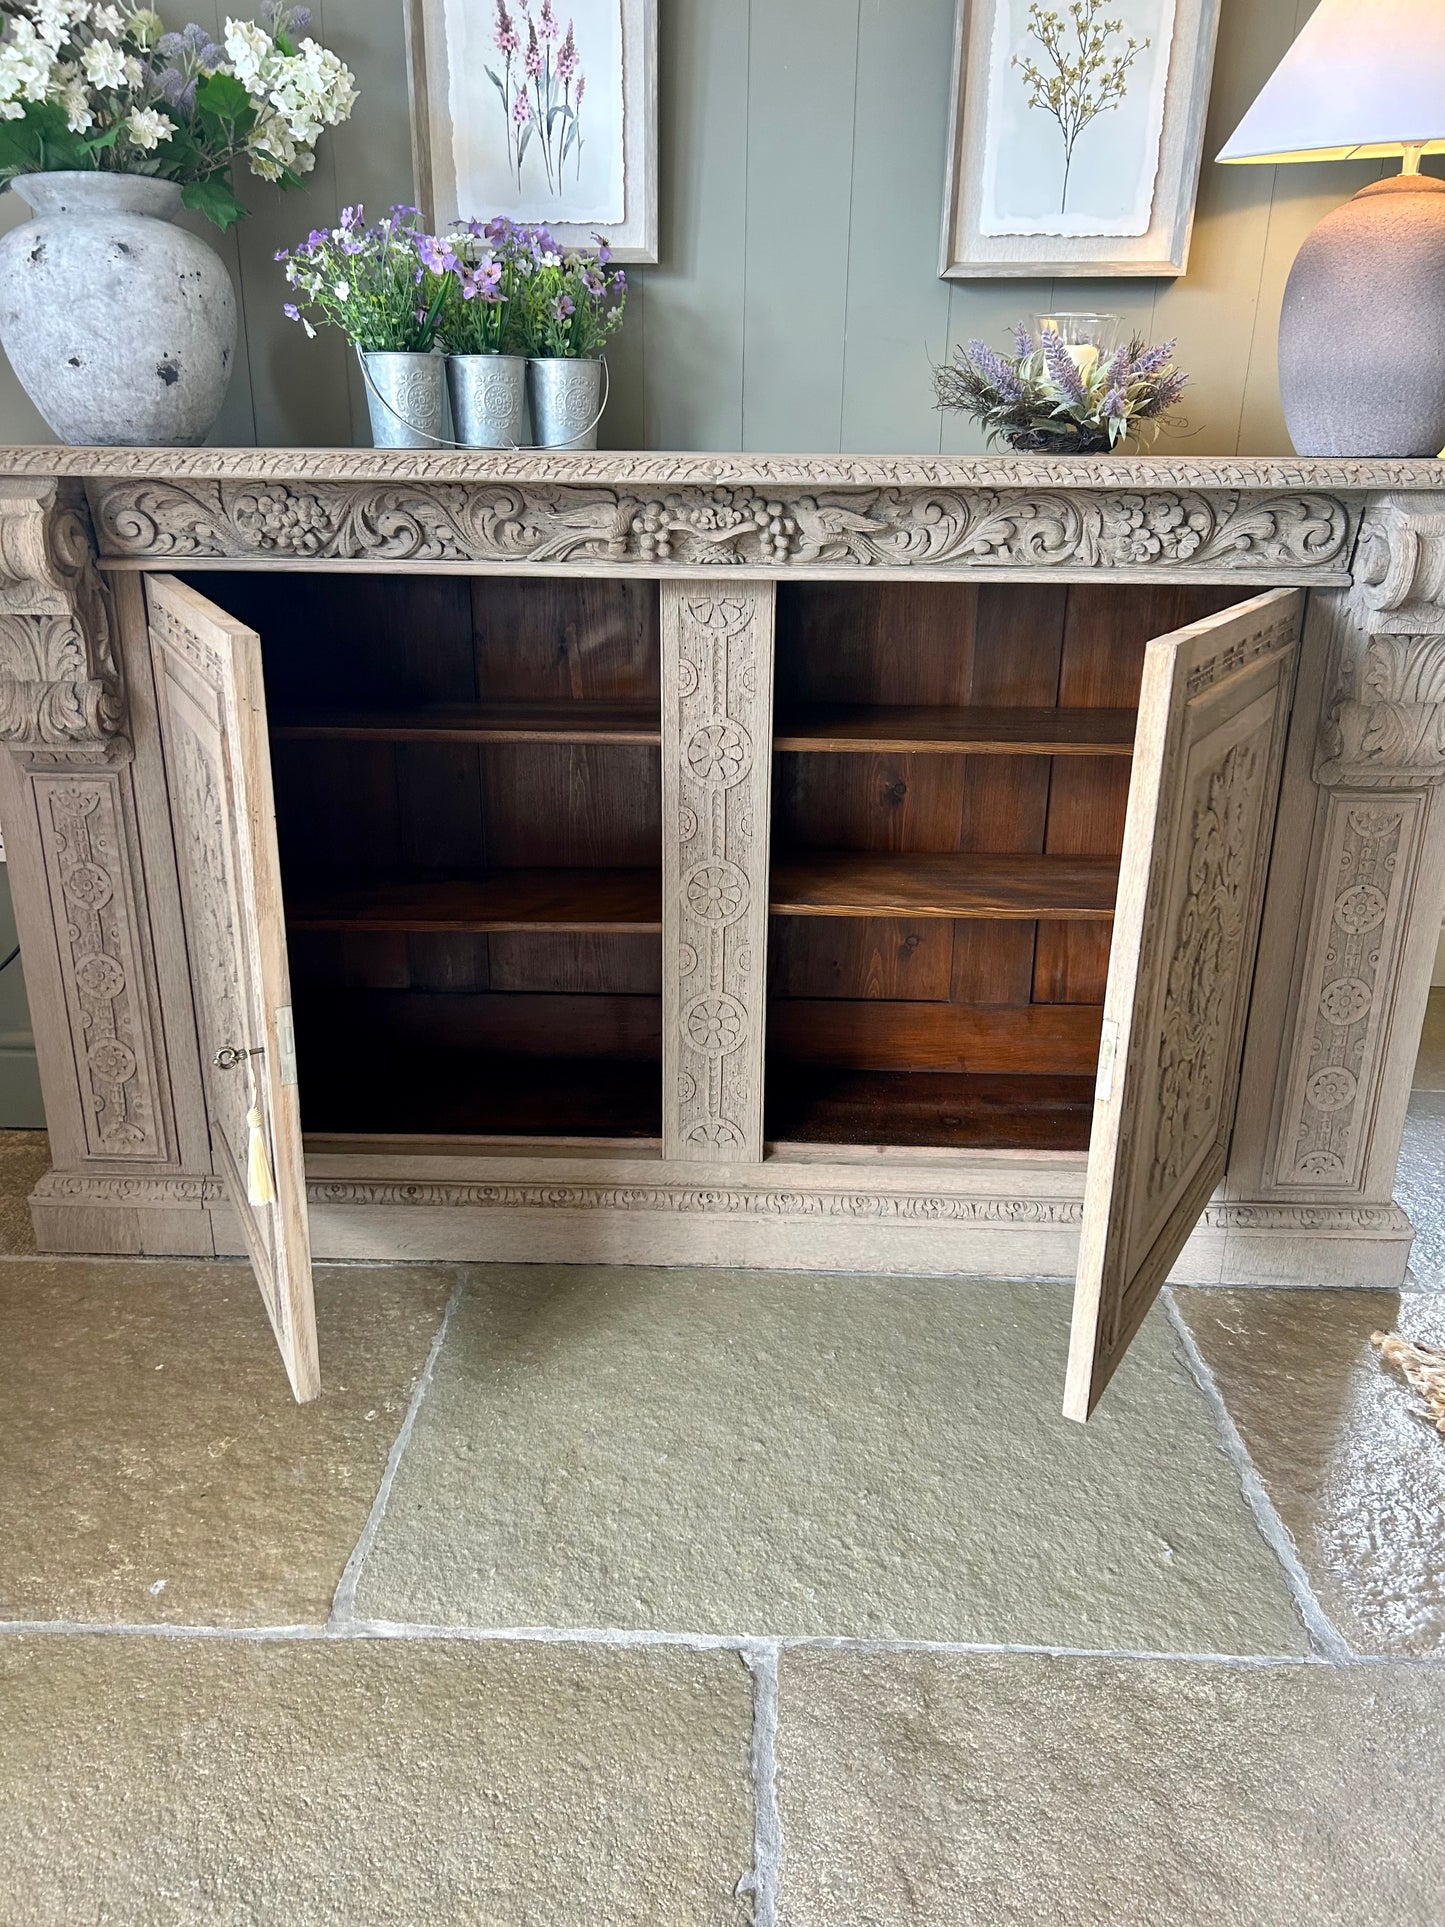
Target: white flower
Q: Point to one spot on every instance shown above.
(146, 27)
(343, 291)
(108, 20)
(250, 50)
(135, 73)
(26, 62)
(52, 23)
(147, 128)
(76, 102)
(104, 64)
(11, 110)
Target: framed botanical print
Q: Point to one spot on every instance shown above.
(1077, 133)
(544, 111)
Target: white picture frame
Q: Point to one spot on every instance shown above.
(1134, 183)
(619, 197)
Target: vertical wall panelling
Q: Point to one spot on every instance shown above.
(802, 74)
(801, 160)
(696, 294)
(896, 315)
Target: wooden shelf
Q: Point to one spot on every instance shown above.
(502, 722)
(620, 901)
(872, 884)
(409, 1091)
(811, 1104)
(1001, 731)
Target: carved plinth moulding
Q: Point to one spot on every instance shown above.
(717, 759)
(60, 686)
(1283, 534)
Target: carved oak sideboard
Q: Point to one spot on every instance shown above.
(964, 867)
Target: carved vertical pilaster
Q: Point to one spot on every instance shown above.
(1375, 883)
(74, 840)
(717, 727)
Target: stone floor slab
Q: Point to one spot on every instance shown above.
(24, 1160)
(1420, 1186)
(1430, 1064)
(162, 1783)
(782, 1453)
(924, 1790)
(153, 1464)
(1355, 1474)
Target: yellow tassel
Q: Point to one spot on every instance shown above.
(260, 1185)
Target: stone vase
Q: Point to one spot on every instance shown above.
(120, 326)
(1362, 331)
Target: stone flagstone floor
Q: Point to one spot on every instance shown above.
(700, 1599)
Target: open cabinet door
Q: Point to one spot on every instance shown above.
(218, 764)
(1207, 753)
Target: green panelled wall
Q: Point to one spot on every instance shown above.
(797, 304)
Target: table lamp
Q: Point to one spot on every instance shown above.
(1362, 331)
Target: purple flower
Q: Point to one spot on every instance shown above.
(291, 311)
(533, 61)
(1155, 360)
(1061, 366)
(604, 253)
(1023, 341)
(567, 55)
(995, 370)
(522, 107)
(1116, 403)
(581, 87)
(505, 33)
(547, 21)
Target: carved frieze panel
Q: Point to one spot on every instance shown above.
(1228, 531)
(717, 759)
(1342, 1030)
(87, 838)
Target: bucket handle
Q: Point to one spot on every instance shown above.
(442, 441)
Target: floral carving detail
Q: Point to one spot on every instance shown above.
(716, 892)
(715, 1025)
(1205, 961)
(719, 753)
(285, 521)
(1340, 1039)
(704, 527)
(1345, 1000)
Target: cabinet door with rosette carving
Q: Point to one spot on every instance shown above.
(1207, 757)
(213, 722)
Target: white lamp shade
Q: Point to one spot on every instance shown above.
(1365, 77)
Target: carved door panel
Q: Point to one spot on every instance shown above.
(212, 710)
(1207, 755)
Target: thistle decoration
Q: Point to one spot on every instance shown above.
(1048, 397)
(1083, 70)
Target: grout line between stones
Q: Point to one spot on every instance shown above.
(765, 1881)
(1324, 1636)
(343, 1605)
(332, 1631)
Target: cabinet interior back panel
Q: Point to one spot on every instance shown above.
(920, 1029)
(434, 745)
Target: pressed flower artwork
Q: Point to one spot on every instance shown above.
(536, 108)
(1075, 116)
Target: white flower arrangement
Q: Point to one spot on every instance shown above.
(108, 87)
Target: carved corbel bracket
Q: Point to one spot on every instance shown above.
(61, 701)
(1384, 722)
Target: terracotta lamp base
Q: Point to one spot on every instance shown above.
(1362, 333)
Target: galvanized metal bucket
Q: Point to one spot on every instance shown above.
(569, 394)
(407, 397)
(489, 399)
